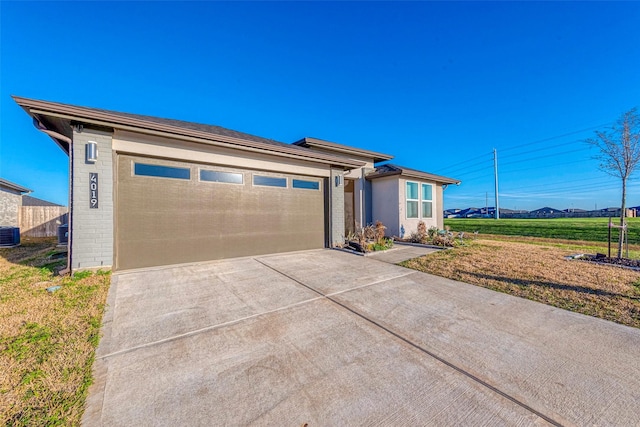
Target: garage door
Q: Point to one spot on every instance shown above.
(171, 212)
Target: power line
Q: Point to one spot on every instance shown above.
(556, 137)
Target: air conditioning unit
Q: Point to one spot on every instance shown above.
(9, 236)
(63, 234)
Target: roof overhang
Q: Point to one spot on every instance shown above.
(13, 186)
(343, 149)
(413, 174)
(60, 118)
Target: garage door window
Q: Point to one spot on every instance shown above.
(217, 176)
(269, 181)
(159, 171)
(304, 184)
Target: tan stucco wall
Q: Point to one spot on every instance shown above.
(389, 205)
(134, 143)
(411, 224)
(384, 201)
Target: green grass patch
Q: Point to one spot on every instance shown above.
(588, 229)
(47, 339)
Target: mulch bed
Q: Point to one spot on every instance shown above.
(633, 264)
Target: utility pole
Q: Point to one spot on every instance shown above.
(486, 203)
(495, 171)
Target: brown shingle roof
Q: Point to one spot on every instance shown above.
(389, 169)
(59, 117)
(34, 201)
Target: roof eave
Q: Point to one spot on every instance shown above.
(314, 142)
(73, 113)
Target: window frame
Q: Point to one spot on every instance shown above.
(424, 200)
(148, 175)
(314, 181)
(253, 181)
(200, 170)
(410, 200)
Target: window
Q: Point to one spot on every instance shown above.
(307, 185)
(269, 181)
(160, 171)
(217, 176)
(412, 199)
(427, 200)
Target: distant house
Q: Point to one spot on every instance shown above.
(10, 203)
(41, 218)
(34, 201)
(544, 212)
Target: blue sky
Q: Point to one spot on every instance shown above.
(437, 84)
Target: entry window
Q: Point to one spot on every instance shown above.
(269, 181)
(412, 199)
(160, 171)
(307, 185)
(217, 176)
(427, 201)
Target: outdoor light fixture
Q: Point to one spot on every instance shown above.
(338, 180)
(92, 151)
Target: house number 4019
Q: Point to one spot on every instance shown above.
(93, 190)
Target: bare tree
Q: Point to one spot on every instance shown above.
(619, 155)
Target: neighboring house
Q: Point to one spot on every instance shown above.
(147, 191)
(10, 203)
(40, 218)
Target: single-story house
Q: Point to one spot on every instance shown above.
(10, 203)
(147, 191)
(41, 218)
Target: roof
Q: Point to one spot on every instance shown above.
(34, 201)
(57, 120)
(389, 169)
(13, 186)
(345, 149)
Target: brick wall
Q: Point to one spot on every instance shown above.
(10, 202)
(91, 233)
(336, 195)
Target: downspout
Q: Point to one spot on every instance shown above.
(64, 138)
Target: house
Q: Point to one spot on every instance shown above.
(10, 203)
(41, 218)
(147, 191)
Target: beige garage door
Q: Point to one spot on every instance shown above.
(171, 212)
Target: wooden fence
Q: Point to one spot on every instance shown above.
(42, 221)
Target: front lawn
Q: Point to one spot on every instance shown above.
(47, 339)
(538, 271)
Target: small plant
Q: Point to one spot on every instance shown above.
(369, 238)
(379, 230)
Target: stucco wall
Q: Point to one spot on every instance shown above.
(384, 203)
(10, 203)
(411, 224)
(135, 143)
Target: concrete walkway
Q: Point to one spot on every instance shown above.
(402, 252)
(329, 338)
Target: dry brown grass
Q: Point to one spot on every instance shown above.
(539, 271)
(47, 340)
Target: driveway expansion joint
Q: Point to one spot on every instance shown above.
(416, 346)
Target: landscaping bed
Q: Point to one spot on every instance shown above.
(633, 264)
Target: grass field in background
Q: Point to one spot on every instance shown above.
(587, 229)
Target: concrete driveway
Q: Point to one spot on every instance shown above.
(328, 338)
